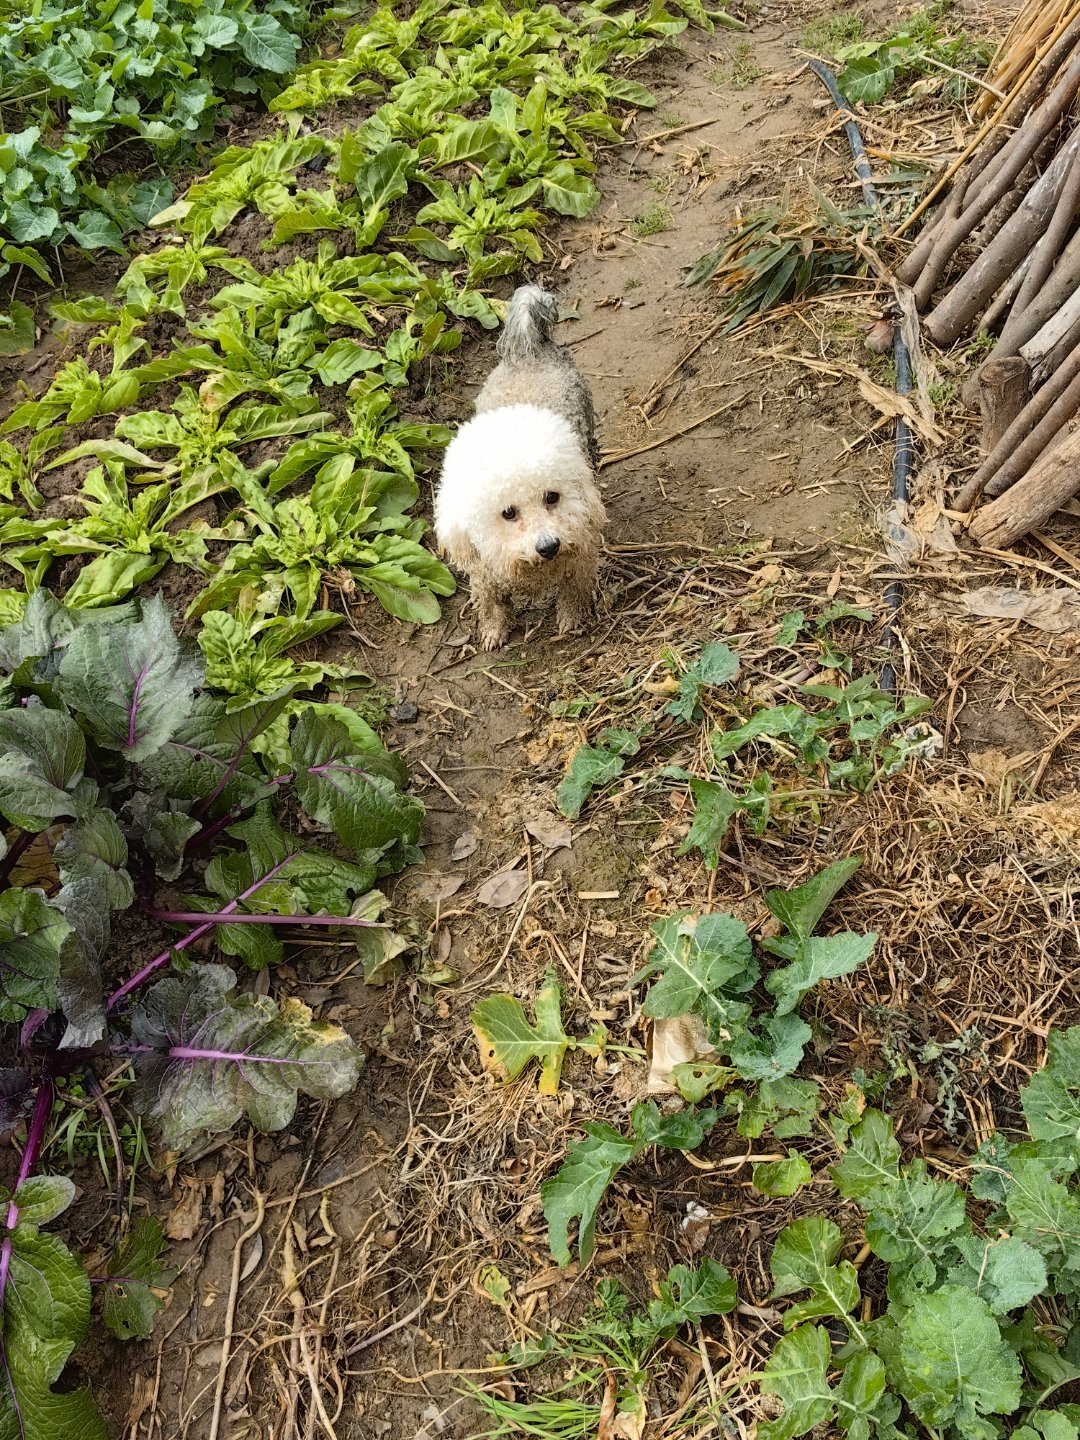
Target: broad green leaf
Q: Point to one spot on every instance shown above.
(781, 1177)
(32, 938)
(574, 1192)
(716, 665)
(133, 682)
(1006, 1273)
(135, 1273)
(267, 44)
(508, 1042)
(789, 1107)
(947, 1358)
(1045, 1213)
(689, 1296)
(777, 722)
(694, 1079)
(42, 756)
(805, 1258)
(46, 1314)
(18, 333)
(872, 1160)
(42, 1198)
(714, 807)
(95, 849)
(1051, 1098)
(30, 646)
(589, 768)
(821, 958)
(568, 193)
(911, 1224)
(774, 1051)
(800, 910)
(866, 81)
(796, 1373)
(207, 1056)
(702, 965)
(338, 787)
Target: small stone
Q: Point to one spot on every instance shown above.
(405, 713)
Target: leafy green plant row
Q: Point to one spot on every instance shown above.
(702, 967)
(965, 1325)
(266, 340)
(121, 779)
(847, 735)
(78, 74)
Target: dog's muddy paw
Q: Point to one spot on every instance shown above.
(570, 623)
(493, 639)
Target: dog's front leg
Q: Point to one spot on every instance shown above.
(494, 613)
(576, 599)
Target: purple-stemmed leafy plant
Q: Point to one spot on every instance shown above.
(123, 786)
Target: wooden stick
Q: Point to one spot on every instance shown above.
(1031, 85)
(1048, 336)
(1031, 415)
(1031, 502)
(1041, 438)
(963, 302)
(1002, 300)
(1015, 159)
(1019, 328)
(1006, 389)
(1057, 232)
(1053, 360)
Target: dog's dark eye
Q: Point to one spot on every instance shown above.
(551, 498)
(510, 513)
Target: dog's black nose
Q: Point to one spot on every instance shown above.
(548, 547)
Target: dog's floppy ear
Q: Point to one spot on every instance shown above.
(455, 544)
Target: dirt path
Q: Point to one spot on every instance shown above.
(367, 1268)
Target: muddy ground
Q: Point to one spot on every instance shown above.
(331, 1280)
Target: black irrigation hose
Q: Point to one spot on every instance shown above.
(903, 455)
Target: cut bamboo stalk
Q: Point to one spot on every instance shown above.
(1015, 239)
(1032, 500)
(1025, 424)
(1038, 27)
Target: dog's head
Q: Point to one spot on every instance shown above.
(517, 493)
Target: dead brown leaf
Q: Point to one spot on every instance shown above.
(681, 1041)
(186, 1216)
(553, 833)
(503, 889)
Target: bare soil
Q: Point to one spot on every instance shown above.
(331, 1278)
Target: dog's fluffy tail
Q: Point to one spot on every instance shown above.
(529, 321)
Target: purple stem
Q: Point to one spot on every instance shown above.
(21, 843)
(189, 939)
(139, 680)
(207, 833)
(192, 917)
(35, 1137)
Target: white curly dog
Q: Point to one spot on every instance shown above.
(517, 506)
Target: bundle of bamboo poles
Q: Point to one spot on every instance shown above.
(1009, 213)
